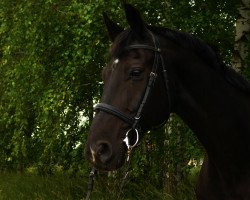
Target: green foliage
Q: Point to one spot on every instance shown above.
(49, 79)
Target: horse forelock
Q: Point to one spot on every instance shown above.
(120, 43)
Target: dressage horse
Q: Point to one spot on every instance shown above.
(156, 71)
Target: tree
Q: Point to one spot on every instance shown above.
(49, 79)
(241, 56)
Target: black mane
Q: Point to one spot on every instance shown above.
(205, 52)
(188, 41)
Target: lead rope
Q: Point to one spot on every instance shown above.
(93, 173)
(127, 171)
(130, 148)
(91, 183)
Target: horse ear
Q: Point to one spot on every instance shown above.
(113, 28)
(134, 20)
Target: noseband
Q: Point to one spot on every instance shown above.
(134, 121)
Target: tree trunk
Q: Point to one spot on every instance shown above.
(242, 37)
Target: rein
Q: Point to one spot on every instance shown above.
(134, 121)
(92, 177)
(90, 183)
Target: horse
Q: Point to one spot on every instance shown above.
(155, 71)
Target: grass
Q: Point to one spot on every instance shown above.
(34, 187)
(27, 186)
(131, 191)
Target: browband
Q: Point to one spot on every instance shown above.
(143, 46)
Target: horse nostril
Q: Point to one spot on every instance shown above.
(104, 151)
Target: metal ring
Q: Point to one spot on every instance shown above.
(126, 139)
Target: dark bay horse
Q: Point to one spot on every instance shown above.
(156, 71)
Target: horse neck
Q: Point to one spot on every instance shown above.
(216, 111)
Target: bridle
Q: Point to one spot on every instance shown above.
(134, 121)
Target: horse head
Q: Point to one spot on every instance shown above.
(135, 96)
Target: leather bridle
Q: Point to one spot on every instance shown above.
(134, 121)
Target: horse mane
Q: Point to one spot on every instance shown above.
(206, 53)
(188, 41)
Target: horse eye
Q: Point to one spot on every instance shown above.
(135, 73)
